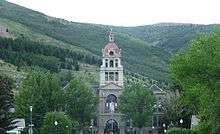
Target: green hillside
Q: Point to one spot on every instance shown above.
(173, 37)
(146, 50)
(138, 55)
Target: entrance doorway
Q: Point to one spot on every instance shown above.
(111, 127)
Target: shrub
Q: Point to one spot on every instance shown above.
(178, 131)
(64, 123)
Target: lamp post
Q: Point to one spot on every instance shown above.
(30, 131)
(92, 124)
(165, 130)
(131, 126)
(164, 125)
(152, 129)
(67, 127)
(91, 129)
(181, 122)
(56, 123)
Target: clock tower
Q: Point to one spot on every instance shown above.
(110, 121)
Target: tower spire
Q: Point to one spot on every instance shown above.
(111, 36)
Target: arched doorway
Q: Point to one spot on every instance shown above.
(111, 127)
(111, 103)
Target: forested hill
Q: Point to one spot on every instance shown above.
(144, 50)
(173, 37)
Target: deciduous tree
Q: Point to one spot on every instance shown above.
(42, 91)
(64, 123)
(137, 103)
(81, 102)
(198, 72)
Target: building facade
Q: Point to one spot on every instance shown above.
(109, 120)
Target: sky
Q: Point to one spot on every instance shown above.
(128, 12)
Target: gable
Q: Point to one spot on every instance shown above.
(111, 86)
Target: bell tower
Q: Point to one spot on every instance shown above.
(110, 121)
(111, 70)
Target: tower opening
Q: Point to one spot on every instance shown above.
(106, 62)
(111, 53)
(116, 76)
(111, 76)
(116, 62)
(106, 76)
(111, 63)
(111, 103)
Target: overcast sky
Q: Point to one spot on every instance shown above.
(129, 12)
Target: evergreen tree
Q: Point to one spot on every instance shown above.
(6, 101)
(22, 51)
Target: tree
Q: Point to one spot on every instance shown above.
(65, 76)
(6, 101)
(180, 131)
(41, 90)
(137, 102)
(64, 123)
(198, 71)
(23, 51)
(81, 102)
(174, 109)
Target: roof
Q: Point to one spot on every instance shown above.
(155, 88)
(111, 46)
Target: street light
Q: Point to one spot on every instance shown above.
(181, 122)
(164, 125)
(30, 131)
(56, 123)
(91, 127)
(130, 126)
(67, 129)
(152, 129)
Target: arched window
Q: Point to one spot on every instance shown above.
(111, 76)
(116, 76)
(111, 103)
(106, 76)
(111, 53)
(111, 63)
(116, 62)
(106, 62)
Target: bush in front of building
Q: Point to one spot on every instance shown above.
(180, 131)
(57, 122)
